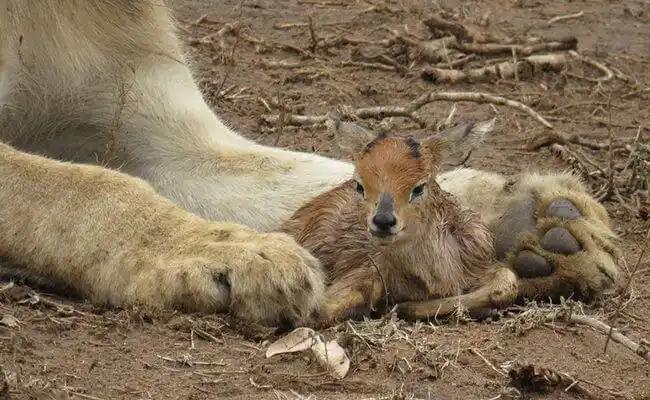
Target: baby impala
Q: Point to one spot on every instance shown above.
(392, 236)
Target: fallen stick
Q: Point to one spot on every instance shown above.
(81, 395)
(410, 109)
(358, 56)
(344, 40)
(570, 158)
(599, 326)
(186, 360)
(564, 44)
(485, 360)
(371, 65)
(458, 62)
(547, 139)
(593, 121)
(272, 64)
(435, 23)
(291, 25)
(436, 51)
(483, 98)
(296, 120)
(522, 69)
(432, 51)
(565, 17)
(608, 72)
(626, 288)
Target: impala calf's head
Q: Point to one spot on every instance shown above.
(395, 176)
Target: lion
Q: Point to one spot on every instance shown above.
(119, 182)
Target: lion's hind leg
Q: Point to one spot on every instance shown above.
(557, 239)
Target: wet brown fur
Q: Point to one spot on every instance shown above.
(442, 249)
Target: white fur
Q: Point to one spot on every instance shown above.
(68, 99)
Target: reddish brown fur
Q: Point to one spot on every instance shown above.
(441, 250)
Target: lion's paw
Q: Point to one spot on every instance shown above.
(265, 278)
(559, 244)
(275, 281)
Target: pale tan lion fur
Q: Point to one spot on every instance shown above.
(72, 70)
(76, 75)
(128, 245)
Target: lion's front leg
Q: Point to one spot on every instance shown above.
(557, 239)
(115, 241)
(555, 236)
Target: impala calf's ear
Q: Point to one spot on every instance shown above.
(350, 138)
(460, 139)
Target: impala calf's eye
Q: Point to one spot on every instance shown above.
(360, 189)
(417, 191)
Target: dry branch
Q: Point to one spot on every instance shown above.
(565, 17)
(370, 65)
(547, 139)
(291, 25)
(282, 64)
(570, 158)
(410, 109)
(449, 48)
(432, 51)
(522, 69)
(599, 326)
(608, 74)
(458, 62)
(616, 336)
(568, 43)
(436, 23)
(187, 360)
(358, 56)
(626, 288)
(345, 40)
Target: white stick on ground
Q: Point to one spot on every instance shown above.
(410, 109)
(565, 17)
(605, 329)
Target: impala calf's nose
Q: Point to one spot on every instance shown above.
(384, 221)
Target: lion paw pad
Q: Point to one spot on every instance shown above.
(560, 240)
(563, 208)
(531, 265)
(557, 247)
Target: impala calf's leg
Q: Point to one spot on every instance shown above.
(499, 290)
(351, 298)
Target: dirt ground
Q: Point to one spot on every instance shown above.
(53, 348)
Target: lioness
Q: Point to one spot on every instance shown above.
(80, 77)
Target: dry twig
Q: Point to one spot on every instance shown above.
(187, 360)
(410, 109)
(608, 74)
(281, 64)
(568, 43)
(438, 24)
(523, 69)
(486, 361)
(570, 158)
(547, 139)
(625, 289)
(565, 17)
